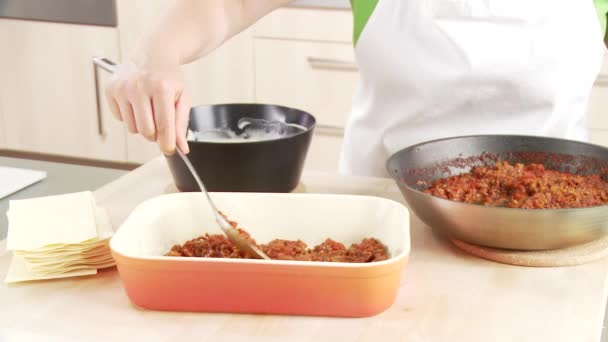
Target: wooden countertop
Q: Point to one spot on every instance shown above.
(445, 294)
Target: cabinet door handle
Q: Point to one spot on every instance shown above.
(602, 80)
(109, 66)
(104, 63)
(331, 64)
(329, 129)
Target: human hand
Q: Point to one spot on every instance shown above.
(153, 102)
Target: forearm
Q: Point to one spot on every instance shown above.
(191, 29)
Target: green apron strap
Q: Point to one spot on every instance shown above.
(362, 10)
(601, 7)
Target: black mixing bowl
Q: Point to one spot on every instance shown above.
(249, 166)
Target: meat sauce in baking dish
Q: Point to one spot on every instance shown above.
(218, 246)
(522, 186)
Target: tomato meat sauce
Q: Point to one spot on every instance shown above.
(522, 186)
(218, 246)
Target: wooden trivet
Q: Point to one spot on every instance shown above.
(570, 256)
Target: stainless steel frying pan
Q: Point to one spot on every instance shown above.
(523, 229)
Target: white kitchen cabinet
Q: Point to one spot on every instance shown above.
(316, 77)
(324, 152)
(299, 57)
(598, 108)
(599, 137)
(308, 24)
(2, 131)
(598, 115)
(304, 58)
(224, 76)
(49, 92)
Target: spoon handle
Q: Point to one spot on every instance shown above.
(233, 234)
(223, 222)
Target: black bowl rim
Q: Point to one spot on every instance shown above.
(306, 131)
(429, 196)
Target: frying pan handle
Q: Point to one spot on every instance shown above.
(109, 66)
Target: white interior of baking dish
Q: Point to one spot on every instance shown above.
(161, 222)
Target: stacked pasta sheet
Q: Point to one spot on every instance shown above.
(57, 236)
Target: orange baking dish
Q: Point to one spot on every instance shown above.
(158, 282)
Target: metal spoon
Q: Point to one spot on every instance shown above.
(231, 233)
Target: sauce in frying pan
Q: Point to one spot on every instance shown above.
(522, 186)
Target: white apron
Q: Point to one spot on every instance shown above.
(438, 68)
